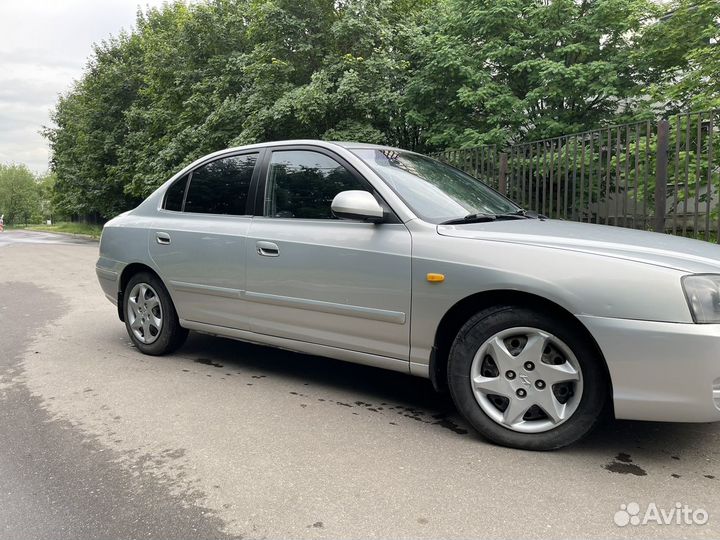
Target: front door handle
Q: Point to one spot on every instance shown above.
(267, 249)
(162, 238)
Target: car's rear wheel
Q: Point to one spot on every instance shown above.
(150, 317)
(526, 379)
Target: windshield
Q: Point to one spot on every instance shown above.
(434, 191)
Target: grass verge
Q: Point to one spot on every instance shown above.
(84, 229)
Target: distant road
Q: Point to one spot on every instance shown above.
(19, 236)
(226, 439)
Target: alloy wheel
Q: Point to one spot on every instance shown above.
(144, 312)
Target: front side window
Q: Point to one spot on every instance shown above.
(434, 191)
(303, 183)
(221, 186)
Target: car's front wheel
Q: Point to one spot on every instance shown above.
(526, 379)
(150, 317)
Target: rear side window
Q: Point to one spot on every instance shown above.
(175, 194)
(221, 186)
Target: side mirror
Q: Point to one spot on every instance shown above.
(357, 205)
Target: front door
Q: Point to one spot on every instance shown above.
(314, 278)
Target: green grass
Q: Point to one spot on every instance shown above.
(84, 229)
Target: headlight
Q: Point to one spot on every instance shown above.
(703, 295)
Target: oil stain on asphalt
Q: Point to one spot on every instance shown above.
(440, 419)
(622, 464)
(208, 362)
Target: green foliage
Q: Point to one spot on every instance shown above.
(46, 195)
(19, 194)
(681, 56)
(92, 132)
(420, 74)
(492, 71)
(194, 79)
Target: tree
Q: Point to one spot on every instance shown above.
(19, 197)
(492, 71)
(46, 196)
(680, 54)
(194, 79)
(419, 74)
(90, 132)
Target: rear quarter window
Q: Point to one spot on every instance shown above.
(175, 194)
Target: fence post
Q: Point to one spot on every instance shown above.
(661, 164)
(502, 173)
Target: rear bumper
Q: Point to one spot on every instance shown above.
(108, 275)
(661, 371)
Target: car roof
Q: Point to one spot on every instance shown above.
(350, 145)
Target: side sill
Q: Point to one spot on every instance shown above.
(346, 355)
(421, 370)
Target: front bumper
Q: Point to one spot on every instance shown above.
(668, 372)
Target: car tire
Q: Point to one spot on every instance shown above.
(508, 358)
(150, 316)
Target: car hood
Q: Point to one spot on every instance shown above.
(652, 248)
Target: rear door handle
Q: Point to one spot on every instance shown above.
(267, 249)
(162, 238)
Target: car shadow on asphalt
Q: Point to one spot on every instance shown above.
(357, 380)
(415, 398)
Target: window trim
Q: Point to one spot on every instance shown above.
(262, 186)
(249, 203)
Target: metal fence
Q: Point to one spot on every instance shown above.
(655, 175)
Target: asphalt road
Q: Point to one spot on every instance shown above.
(225, 439)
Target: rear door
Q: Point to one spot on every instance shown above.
(199, 240)
(312, 277)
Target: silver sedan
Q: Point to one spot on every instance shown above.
(389, 258)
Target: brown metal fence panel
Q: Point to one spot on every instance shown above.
(694, 176)
(653, 175)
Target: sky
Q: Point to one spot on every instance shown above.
(44, 46)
